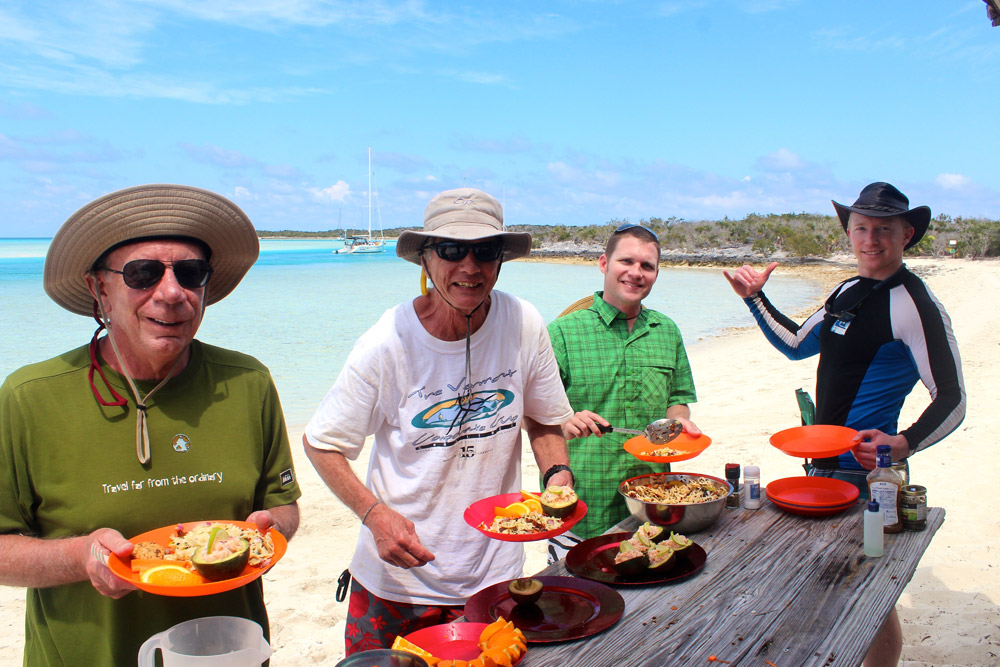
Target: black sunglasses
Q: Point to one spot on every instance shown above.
(624, 227)
(145, 273)
(453, 251)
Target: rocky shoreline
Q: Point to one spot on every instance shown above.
(724, 256)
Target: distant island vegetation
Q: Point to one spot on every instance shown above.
(803, 235)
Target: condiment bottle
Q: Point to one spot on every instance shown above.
(913, 507)
(884, 486)
(751, 487)
(873, 543)
(733, 477)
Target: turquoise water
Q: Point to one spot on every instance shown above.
(300, 308)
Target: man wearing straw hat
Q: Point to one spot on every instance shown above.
(143, 428)
(445, 382)
(878, 333)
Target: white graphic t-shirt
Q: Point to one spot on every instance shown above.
(442, 441)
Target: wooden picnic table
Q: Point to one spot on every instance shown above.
(776, 589)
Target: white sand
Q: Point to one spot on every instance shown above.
(949, 610)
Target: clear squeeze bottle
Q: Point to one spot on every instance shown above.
(873, 544)
(885, 487)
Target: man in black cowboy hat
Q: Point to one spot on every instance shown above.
(144, 428)
(877, 334)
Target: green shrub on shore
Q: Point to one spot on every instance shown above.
(794, 234)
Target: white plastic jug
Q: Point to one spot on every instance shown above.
(212, 641)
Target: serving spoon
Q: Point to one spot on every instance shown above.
(659, 432)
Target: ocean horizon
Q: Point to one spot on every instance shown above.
(301, 307)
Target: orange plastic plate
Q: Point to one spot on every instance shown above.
(689, 446)
(161, 536)
(451, 641)
(481, 512)
(816, 441)
(812, 492)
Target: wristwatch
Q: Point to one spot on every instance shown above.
(559, 467)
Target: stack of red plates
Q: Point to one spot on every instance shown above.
(812, 496)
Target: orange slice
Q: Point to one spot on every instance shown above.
(528, 495)
(533, 505)
(170, 575)
(491, 629)
(401, 644)
(499, 656)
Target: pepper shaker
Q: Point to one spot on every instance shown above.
(733, 477)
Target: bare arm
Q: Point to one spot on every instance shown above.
(395, 535)
(41, 563)
(284, 518)
(549, 446)
(682, 413)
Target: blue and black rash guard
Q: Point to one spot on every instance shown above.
(875, 340)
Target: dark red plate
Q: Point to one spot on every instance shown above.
(481, 512)
(449, 641)
(594, 559)
(569, 608)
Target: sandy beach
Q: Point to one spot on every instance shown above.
(949, 610)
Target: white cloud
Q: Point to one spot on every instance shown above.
(337, 192)
(952, 181)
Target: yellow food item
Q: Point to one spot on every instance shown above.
(501, 642)
(170, 575)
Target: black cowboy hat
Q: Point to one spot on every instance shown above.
(882, 200)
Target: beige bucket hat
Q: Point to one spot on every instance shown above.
(149, 211)
(463, 214)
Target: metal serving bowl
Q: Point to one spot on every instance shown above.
(681, 519)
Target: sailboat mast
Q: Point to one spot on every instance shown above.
(369, 193)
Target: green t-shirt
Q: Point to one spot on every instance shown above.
(630, 379)
(219, 450)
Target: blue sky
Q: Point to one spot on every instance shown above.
(569, 112)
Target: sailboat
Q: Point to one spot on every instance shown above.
(362, 244)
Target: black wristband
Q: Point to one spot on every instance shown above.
(559, 467)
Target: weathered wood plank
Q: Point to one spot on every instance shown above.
(793, 590)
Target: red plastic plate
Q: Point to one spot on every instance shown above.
(451, 641)
(812, 492)
(812, 511)
(569, 608)
(816, 441)
(690, 446)
(481, 512)
(161, 536)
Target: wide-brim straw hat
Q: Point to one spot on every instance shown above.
(463, 214)
(882, 200)
(149, 212)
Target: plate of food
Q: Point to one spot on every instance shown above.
(815, 441)
(621, 558)
(568, 608)
(681, 448)
(199, 557)
(466, 643)
(526, 516)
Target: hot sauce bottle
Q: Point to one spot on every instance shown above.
(885, 487)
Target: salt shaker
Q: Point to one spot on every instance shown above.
(751, 487)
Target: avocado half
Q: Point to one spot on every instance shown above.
(661, 556)
(216, 568)
(558, 501)
(630, 560)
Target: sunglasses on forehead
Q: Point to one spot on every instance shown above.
(145, 273)
(454, 251)
(624, 227)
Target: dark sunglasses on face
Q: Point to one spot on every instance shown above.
(453, 251)
(146, 273)
(632, 225)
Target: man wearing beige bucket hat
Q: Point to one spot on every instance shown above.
(445, 383)
(143, 428)
(877, 335)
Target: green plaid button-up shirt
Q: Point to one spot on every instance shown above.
(630, 379)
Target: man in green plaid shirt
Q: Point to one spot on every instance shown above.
(622, 365)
